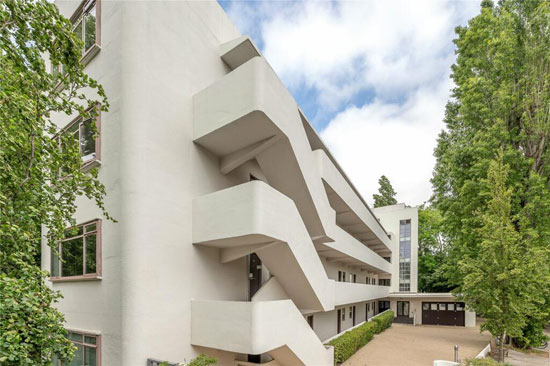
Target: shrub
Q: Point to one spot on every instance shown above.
(483, 362)
(348, 343)
(383, 321)
(203, 360)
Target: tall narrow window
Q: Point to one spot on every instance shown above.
(405, 255)
(88, 350)
(80, 253)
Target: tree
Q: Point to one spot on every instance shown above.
(386, 193)
(503, 281)
(500, 103)
(32, 190)
(432, 252)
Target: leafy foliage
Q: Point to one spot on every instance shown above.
(32, 193)
(432, 252)
(203, 360)
(483, 362)
(386, 193)
(502, 281)
(501, 103)
(349, 342)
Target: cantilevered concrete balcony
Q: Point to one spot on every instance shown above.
(348, 293)
(352, 214)
(254, 217)
(348, 250)
(274, 327)
(249, 114)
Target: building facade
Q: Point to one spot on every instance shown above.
(238, 233)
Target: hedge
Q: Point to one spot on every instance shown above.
(349, 342)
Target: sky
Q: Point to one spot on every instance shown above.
(372, 76)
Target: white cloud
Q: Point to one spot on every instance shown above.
(390, 139)
(398, 51)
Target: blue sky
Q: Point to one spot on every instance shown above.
(372, 76)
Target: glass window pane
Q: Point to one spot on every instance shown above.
(91, 227)
(90, 28)
(87, 140)
(78, 30)
(90, 356)
(433, 306)
(77, 359)
(75, 337)
(459, 306)
(441, 306)
(91, 253)
(73, 231)
(90, 339)
(451, 307)
(71, 253)
(425, 306)
(54, 270)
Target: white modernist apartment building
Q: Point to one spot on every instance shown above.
(238, 234)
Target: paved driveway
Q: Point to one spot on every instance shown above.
(405, 345)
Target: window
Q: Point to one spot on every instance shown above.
(451, 306)
(353, 278)
(384, 282)
(350, 311)
(405, 255)
(80, 252)
(343, 314)
(368, 280)
(433, 307)
(459, 306)
(87, 27)
(88, 350)
(89, 143)
(425, 306)
(442, 306)
(343, 276)
(383, 306)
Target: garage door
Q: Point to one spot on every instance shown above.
(443, 313)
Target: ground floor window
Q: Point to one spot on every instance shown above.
(87, 352)
(383, 306)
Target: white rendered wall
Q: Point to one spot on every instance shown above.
(155, 56)
(389, 217)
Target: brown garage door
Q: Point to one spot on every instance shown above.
(443, 313)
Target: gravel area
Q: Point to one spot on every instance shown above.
(407, 345)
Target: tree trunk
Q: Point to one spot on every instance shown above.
(501, 347)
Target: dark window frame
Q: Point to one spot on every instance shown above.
(84, 276)
(80, 121)
(84, 334)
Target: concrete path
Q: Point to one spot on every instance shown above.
(407, 345)
(516, 358)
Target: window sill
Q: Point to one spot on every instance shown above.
(90, 54)
(76, 278)
(90, 164)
